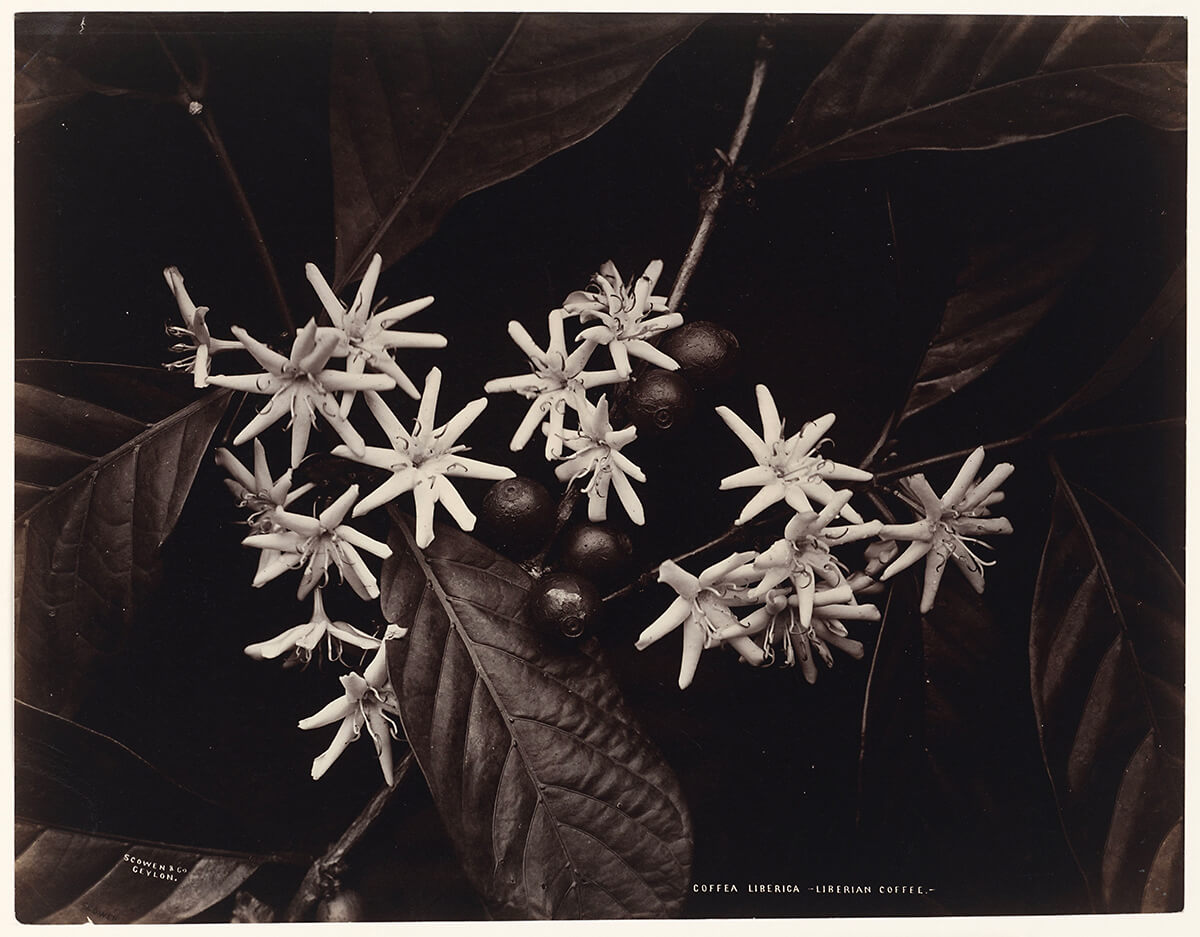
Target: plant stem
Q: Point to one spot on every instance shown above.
(709, 203)
(714, 194)
(885, 436)
(733, 533)
(313, 884)
(1124, 428)
(948, 456)
(213, 136)
(1026, 438)
(650, 575)
(191, 93)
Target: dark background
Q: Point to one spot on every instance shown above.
(833, 310)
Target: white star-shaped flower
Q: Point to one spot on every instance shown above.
(303, 638)
(258, 492)
(367, 340)
(628, 314)
(317, 542)
(424, 460)
(780, 624)
(557, 381)
(367, 702)
(597, 447)
(952, 521)
(803, 556)
(702, 607)
(787, 468)
(195, 332)
(300, 386)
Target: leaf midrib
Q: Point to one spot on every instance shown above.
(140, 439)
(509, 719)
(557, 681)
(390, 218)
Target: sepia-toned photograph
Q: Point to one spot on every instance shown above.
(555, 466)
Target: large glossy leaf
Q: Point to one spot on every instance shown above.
(429, 108)
(1152, 328)
(974, 82)
(1005, 291)
(105, 457)
(557, 804)
(67, 877)
(1107, 658)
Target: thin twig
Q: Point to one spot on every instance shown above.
(715, 193)
(1123, 428)
(650, 575)
(191, 93)
(885, 436)
(1030, 437)
(710, 202)
(948, 456)
(862, 737)
(313, 883)
(733, 533)
(213, 136)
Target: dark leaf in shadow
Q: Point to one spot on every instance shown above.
(60, 57)
(108, 454)
(428, 108)
(1106, 652)
(1152, 328)
(72, 777)
(44, 84)
(1005, 291)
(975, 82)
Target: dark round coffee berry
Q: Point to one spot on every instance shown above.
(707, 353)
(517, 515)
(564, 606)
(598, 551)
(658, 401)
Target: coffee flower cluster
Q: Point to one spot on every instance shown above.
(309, 387)
(625, 316)
(794, 599)
(792, 603)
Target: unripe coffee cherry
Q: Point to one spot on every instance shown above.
(659, 400)
(598, 551)
(517, 514)
(707, 353)
(564, 606)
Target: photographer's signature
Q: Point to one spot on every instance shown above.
(166, 872)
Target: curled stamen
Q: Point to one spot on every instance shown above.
(962, 541)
